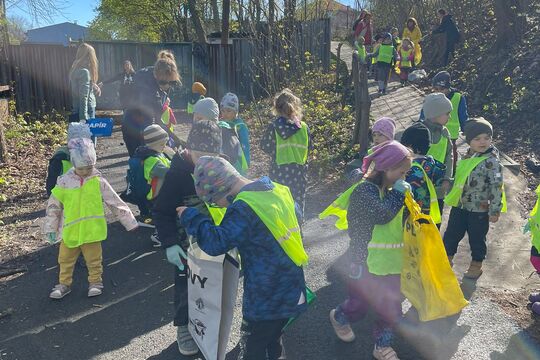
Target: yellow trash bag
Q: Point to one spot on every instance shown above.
(427, 279)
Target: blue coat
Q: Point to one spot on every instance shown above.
(273, 284)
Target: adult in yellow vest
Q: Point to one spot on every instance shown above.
(374, 213)
(425, 171)
(386, 56)
(287, 141)
(261, 222)
(437, 109)
(76, 218)
(477, 196)
(60, 163)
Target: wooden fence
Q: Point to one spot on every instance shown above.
(249, 67)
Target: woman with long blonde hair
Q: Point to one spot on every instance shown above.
(83, 78)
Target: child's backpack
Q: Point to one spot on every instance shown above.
(137, 186)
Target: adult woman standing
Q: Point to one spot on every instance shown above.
(412, 31)
(125, 91)
(151, 101)
(83, 77)
(364, 27)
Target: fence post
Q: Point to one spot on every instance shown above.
(362, 104)
(4, 113)
(337, 64)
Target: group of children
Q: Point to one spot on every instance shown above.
(262, 218)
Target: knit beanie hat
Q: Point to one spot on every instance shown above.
(385, 156)
(208, 108)
(214, 178)
(442, 79)
(385, 126)
(205, 136)
(82, 152)
(475, 127)
(155, 137)
(387, 36)
(78, 130)
(230, 101)
(198, 88)
(435, 105)
(417, 137)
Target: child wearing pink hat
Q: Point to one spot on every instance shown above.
(383, 130)
(372, 210)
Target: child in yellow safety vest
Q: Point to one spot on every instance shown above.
(235, 133)
(477, 196)
(436, 109)
(155, 163)
(372, 210)
(425, 172)
(75, 217)
(360, 47)
(288, 142)
(387, 57)
(261, 222)
(533, 226)
(406, 63)
(60, 163)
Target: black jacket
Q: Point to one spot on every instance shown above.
(55, 168)
(178, 190)
(449, 27)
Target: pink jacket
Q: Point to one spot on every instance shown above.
(54, 213)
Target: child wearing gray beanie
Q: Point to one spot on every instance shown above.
(436, 110)
(206, 109)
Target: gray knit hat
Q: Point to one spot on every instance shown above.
(205, 136)
(208, 108)
(230, 101)
(155, 137)
(435, 105)
(442, 79)
(475, 127)
(78, 130)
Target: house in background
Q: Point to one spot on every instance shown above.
(341, 16)
(60, 34)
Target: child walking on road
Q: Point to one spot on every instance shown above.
(374, 214)
(287, 141)
(477, 197)
(386, 56)
(261, 223)
(75, 217)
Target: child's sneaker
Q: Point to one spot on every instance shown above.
(475, 270)
(534, 297)
(95, 289)
(343, 332)
(384, 353)
(536, 308)
(155, 239)
(59, 291)
(186, 344)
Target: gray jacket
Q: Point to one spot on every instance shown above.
(82, 93)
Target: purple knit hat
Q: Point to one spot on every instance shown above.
(385, 156)
(385, 126)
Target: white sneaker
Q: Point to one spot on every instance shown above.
(384, 353)
(155, 239)
(95, 290)
(343, 332)
(59, 291)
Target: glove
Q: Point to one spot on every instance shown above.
(51, 238)
(527, 228)
(402, 186)
(355, 271)
(173, 256)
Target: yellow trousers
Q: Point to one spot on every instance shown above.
(67, 257)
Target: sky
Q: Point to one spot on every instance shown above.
(79, 11)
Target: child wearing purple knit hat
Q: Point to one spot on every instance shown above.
(372, 211)
(383, 130)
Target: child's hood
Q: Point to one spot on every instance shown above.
(61, 153)
(284, 128)
(143, 152)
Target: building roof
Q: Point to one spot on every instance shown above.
(57, 34)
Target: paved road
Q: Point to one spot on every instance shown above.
(132, 319)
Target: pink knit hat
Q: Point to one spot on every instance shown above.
(385, 126)
(385, 156)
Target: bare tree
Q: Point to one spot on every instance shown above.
(215, 13)
(225, 22)
(197, 23)
(511, 20)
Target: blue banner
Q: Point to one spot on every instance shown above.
(100, 127)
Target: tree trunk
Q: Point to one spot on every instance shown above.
(511, 21)
(4, 113)
(197, 24)
(4, 36)
(185, 23)
(215, 13)
(271, 13)
(225, 22)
